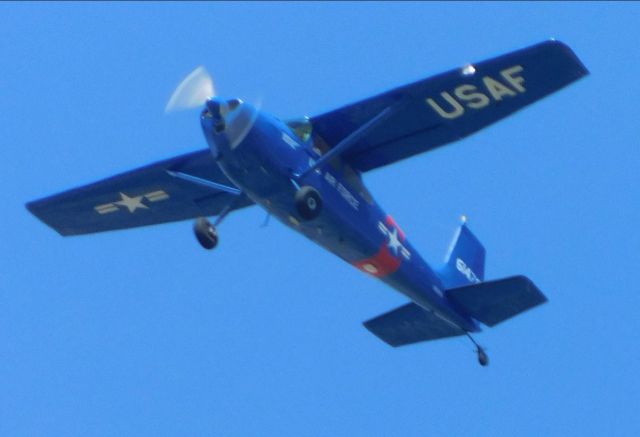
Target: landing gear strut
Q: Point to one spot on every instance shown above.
(308, 202)
(483, 358)
(205, 233)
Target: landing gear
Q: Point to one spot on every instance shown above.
(483, 358)
(205, 233)
(308, 202)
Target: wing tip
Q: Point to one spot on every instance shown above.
(371, 328)
(36, 207)
(566, 50)
(530, 285)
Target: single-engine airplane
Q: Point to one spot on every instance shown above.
(307, 173)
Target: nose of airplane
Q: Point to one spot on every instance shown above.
(214, 109)
(226, 123)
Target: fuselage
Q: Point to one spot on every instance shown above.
(262, 156)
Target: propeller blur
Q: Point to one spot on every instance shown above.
(192, 92)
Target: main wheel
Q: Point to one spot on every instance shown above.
(308, 202)
(205, 233)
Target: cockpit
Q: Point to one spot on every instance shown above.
(303, 130)
(302, 127)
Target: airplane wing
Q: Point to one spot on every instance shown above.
(141, 197)
(447, 107)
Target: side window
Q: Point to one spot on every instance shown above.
(320, 146)
(303, 129)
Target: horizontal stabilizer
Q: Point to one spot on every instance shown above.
(410, 324)
(493, 302)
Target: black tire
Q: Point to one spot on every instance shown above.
(308, 202)
(205, 233)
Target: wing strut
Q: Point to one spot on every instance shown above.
(350, 140)
(204, 182)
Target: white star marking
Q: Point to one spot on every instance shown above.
(394, 243)
(131, 203)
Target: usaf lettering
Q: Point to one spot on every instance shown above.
(471, 97)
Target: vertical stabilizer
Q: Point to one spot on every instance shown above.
(464, 261)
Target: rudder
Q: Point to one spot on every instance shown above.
(465, 259)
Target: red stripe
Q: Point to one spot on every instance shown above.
(392, 222)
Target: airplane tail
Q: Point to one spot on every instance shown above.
(465, 260)
(490, 302)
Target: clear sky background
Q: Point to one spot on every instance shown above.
(142, 332)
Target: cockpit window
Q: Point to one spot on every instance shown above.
(301, 127)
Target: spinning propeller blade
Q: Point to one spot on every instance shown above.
(196, 90)
(192, 92)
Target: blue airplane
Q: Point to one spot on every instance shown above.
(307, 173)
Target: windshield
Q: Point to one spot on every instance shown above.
(301, 127)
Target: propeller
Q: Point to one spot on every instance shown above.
(192, 92)
(197, 90)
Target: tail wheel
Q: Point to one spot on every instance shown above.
(205, 233)
(483, 358)
(308, 202)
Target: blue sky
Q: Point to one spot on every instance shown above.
(142, 332)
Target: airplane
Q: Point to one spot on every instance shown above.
(307, 173)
